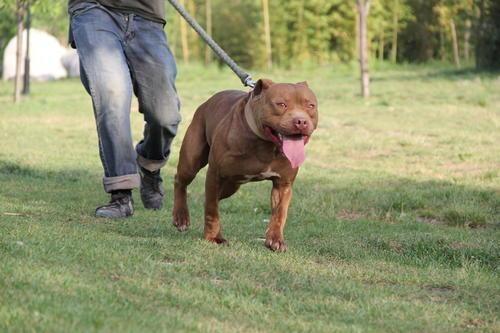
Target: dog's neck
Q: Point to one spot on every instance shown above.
(250, 118)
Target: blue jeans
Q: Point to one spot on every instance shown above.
(121, 54)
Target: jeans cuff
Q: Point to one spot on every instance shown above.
(150, 165)
(126, 182)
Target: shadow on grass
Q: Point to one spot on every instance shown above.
(9, 169)
(398, 220)
(71, 195)
(395, 219)
(449, 74)
(384, 197)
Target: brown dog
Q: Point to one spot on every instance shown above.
(246, 137)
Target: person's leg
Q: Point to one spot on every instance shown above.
(154, 71)
(106, 76)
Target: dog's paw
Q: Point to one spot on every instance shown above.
(218, 240)
(276, 244)
(181, 221)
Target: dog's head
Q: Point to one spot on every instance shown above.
(286, 114)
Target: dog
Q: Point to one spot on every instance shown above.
(246, 137)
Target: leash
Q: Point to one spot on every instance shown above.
(245, 78)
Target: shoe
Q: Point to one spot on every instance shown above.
(152, 191)
(120, 206)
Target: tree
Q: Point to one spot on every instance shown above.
(446, 13)
(267, 33)
(487, 35)
(454, 38)
(380, 26)
(395, 28)
(208, 19)
(341, 27)
(7, 29)
(236, 29)
(20, 12)
(363, 7)
(193, 38)
(184, 37)
(45, 9)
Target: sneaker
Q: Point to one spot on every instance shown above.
(121, 205)
(152, 191)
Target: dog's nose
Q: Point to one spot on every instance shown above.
(301, 123)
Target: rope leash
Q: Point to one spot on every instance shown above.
(245, 78)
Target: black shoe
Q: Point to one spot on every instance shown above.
(121, 205)
(152, 192)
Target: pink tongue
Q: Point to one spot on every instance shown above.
(293, 148)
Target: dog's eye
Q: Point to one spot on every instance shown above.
(281, 105)
(311, 106)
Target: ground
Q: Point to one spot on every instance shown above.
(394, 224)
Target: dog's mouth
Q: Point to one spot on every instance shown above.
(292, 146)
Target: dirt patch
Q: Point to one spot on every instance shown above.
(439, 294)
(396, 246)
(170, 261)
(114, 277)
(349, 215)
(460, 246)
(473, 323)
(430, 220)
(436, 221)
(440, 289)
(217, 281)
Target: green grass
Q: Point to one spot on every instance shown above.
(394, 225)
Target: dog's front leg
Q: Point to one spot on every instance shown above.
(212, 223)
(281, 195)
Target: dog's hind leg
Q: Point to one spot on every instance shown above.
(193, 157)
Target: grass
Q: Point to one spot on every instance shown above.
(394, 225)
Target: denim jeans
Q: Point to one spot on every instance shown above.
(121, 54)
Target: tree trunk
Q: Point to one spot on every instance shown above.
(442, 50)
(193, 40)
(208, 17)
(468, 25)
(184, 37)
(173, 34)
(356, 31)
(456, 56)
(479, 36)
(381, 45)
(300, 43)
(19, 52)
(395, 28)
(363, 10)
(267, 33)
(26, 81)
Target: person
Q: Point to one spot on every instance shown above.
(123, 50)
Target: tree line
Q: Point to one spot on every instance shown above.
(262, 33)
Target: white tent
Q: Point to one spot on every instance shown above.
(45, 55)
(71, 63)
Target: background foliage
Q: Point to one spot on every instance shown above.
(324, 31)
(319, 31)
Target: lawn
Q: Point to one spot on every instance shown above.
(394, 225)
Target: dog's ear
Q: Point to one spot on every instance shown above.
(303, 83)
(261, 85)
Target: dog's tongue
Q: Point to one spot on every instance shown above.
(293, 148)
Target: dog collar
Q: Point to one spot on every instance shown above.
(251, 122)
